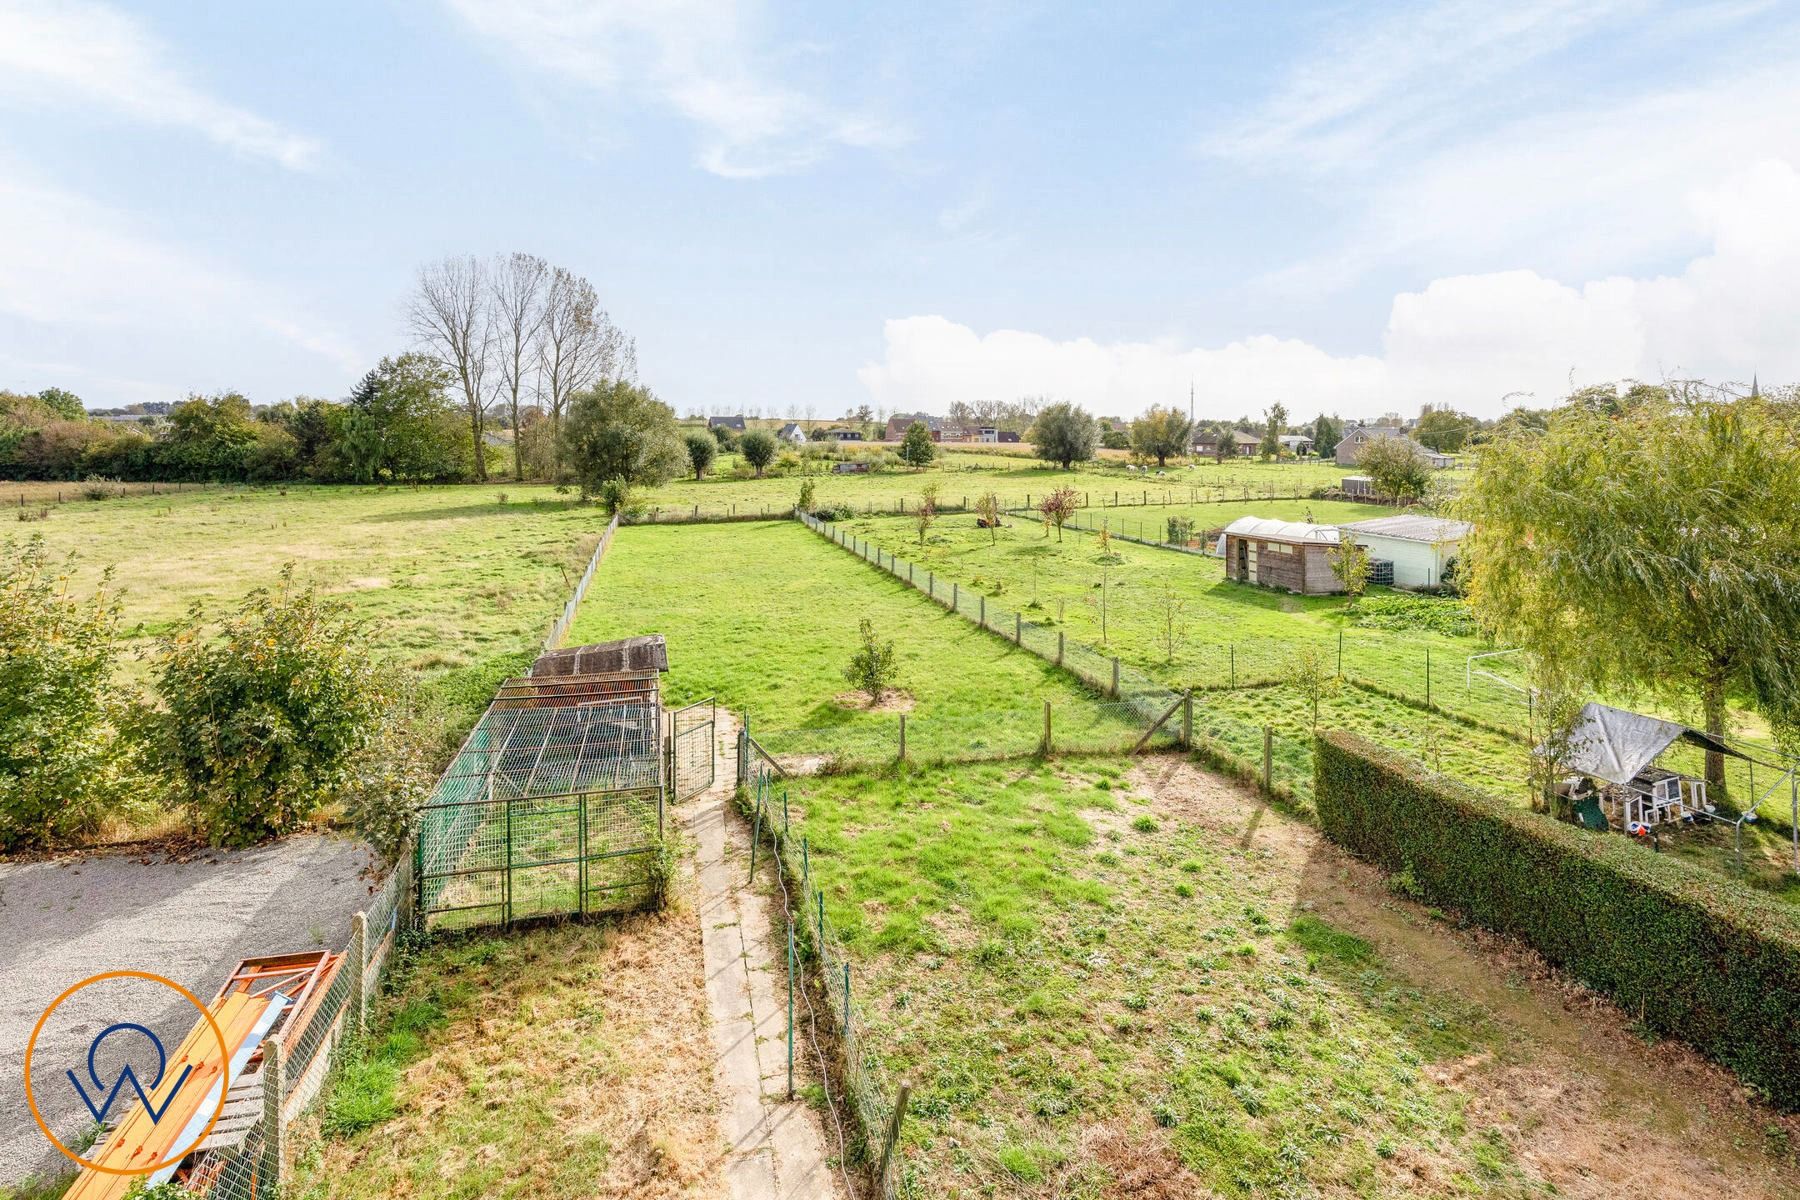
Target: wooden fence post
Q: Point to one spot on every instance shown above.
(359, 966)
(1268, 779)
(902, 737)
(1059, 647)
(1187, 720)
(1047, 742)
(983, 623)
(1115, 683)
(274, 1085)
(955, 596)
(1018, 629)
(893, 1135)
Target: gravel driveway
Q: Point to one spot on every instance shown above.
(191, 918)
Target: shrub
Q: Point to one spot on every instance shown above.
(59, 767)
(1689, 953)
(807, 491)
(267, 720)
(871, 668)
(758, 448)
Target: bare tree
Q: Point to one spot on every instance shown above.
(517, 287)
(577, 346)
(449, 317)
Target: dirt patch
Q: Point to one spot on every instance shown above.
(1139, 1165)
(1584, 1104)
(363, 582)
(894, 700)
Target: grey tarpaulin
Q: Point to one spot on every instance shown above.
(1615, 745)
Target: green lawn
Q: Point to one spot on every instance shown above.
(763, 618)
(1087, 986)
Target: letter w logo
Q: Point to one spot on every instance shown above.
(126, 1075)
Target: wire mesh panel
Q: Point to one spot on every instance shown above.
(534, 802)
(691, 730)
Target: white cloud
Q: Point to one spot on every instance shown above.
(699, 58)
(80, 283)
(91, 53)
(1465, 340)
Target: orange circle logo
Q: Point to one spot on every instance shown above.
(180, 1152)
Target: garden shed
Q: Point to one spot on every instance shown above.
(1284, 554)
(1422, 549)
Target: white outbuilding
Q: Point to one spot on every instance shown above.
(1421, 548)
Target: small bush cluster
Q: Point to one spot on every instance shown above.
(1690, 954)
(1396, 610)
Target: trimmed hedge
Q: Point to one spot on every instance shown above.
(1691, 954)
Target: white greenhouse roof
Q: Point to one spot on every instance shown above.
(1269, 529)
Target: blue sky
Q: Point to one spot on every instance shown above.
(1348, 208)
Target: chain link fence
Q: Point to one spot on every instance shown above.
(560, 628)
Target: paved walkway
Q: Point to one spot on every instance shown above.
(777, 1149)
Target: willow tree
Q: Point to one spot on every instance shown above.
(1650, 548)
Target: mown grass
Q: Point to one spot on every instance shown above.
(1043, 956)
(562, 1062)
(764, 617)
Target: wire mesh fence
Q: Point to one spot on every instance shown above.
(874, 1099)
(292, 1080)
(559, 629)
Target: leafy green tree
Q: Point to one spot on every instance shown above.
(1227, 447)
(725, 437)
(1396, 466)
(1160, 433)
(701, 450)
(1443, 430)
(262, 722)
(917, 448)
(1064, 434)
(60, 765)
(620, 430)
(1312, 674)
(63, 403)
(759, 448)
(987, 507)
(1326, 434)
(395, 422)
(1275, 421)
(209, 437)
(1350, 563)
(807, 492)
(873, 666)
(1650, 548)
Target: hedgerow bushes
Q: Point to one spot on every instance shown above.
(61, 769)
(1688, 953)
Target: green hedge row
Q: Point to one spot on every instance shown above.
(1690, 954)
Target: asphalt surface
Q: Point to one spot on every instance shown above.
(190, 918)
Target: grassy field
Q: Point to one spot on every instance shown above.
(562, 1062)
(763, 618)
(1231, 636)
(453, 580)
(1108, 981)
(1012, 478)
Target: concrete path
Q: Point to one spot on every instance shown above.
(776, 1147)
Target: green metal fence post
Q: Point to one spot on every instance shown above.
(820, 924)
(1428, 678)
(1047, 728)
(790, 1027)
(509, 863)
(756, 831)
(846, 995)
(581, 854)
(786, 824)
(1187, 720)
(805, 863)
(902, 737)
(1340, 654)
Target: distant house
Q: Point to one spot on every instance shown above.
(736, 424)
(1007, 435)
(899, 423)
(986, 433)
(1297, 444)
(1206, 442)
(856, 466)
(1421, 548)
(1350, 446)
(841, 433)
(792, 434)
(1284, 554)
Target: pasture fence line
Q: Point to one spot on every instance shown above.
(875, 1101)
(292, 1081)
(560, 628)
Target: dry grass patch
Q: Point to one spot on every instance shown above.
(569, 1061)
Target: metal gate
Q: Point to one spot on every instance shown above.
(692, 748)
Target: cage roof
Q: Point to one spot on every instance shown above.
(646, 653)
(1616, 745)
(1434, 530)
